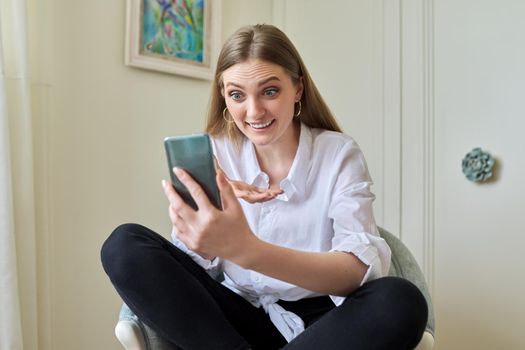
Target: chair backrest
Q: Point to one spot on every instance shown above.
(404, 265)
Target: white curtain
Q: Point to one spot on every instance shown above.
(17, 234)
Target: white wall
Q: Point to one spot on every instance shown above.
(98, 129)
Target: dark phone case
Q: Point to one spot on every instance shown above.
(193, 153)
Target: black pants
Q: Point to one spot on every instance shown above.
(173, 295)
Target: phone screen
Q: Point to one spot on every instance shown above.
(193, 153)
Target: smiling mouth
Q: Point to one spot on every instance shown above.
(260, 126)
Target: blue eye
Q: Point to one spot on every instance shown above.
(235, 95)
(271, 92)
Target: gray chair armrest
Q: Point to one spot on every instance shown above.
(427, 342)
(130, 335)
(133, 334)
(405, 265)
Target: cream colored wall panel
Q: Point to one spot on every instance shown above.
(416, 130)
(463, 81)
(479, 91)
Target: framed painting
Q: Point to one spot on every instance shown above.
(173, 36)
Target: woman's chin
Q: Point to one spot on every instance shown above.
(260, 140)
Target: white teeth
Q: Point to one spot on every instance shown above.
(261, 125)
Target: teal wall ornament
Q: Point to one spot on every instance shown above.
(477, 165)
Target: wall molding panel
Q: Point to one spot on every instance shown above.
(417, 143)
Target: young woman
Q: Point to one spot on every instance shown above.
(296, 240)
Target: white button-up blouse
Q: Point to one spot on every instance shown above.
(326, 206)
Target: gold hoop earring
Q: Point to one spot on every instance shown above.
(299, 110)
(224, 111)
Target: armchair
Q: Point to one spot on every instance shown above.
(135, 335)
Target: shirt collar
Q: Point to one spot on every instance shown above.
(296, 179)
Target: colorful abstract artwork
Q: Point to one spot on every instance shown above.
(173, 36)
(174, 29)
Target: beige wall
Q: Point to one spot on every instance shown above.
(98, 130)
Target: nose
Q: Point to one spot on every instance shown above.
(255, 108)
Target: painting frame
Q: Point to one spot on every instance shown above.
(136, 55)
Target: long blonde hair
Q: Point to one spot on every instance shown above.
(267, 43)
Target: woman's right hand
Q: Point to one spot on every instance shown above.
(208, 231)
(253, 194)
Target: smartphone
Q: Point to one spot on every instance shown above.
(193, 153)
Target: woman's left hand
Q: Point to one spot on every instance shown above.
(209, 231)
(250, 193)
(253, 194)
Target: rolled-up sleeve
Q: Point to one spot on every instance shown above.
(351, 212)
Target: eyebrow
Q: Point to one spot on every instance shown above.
(273, 77)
